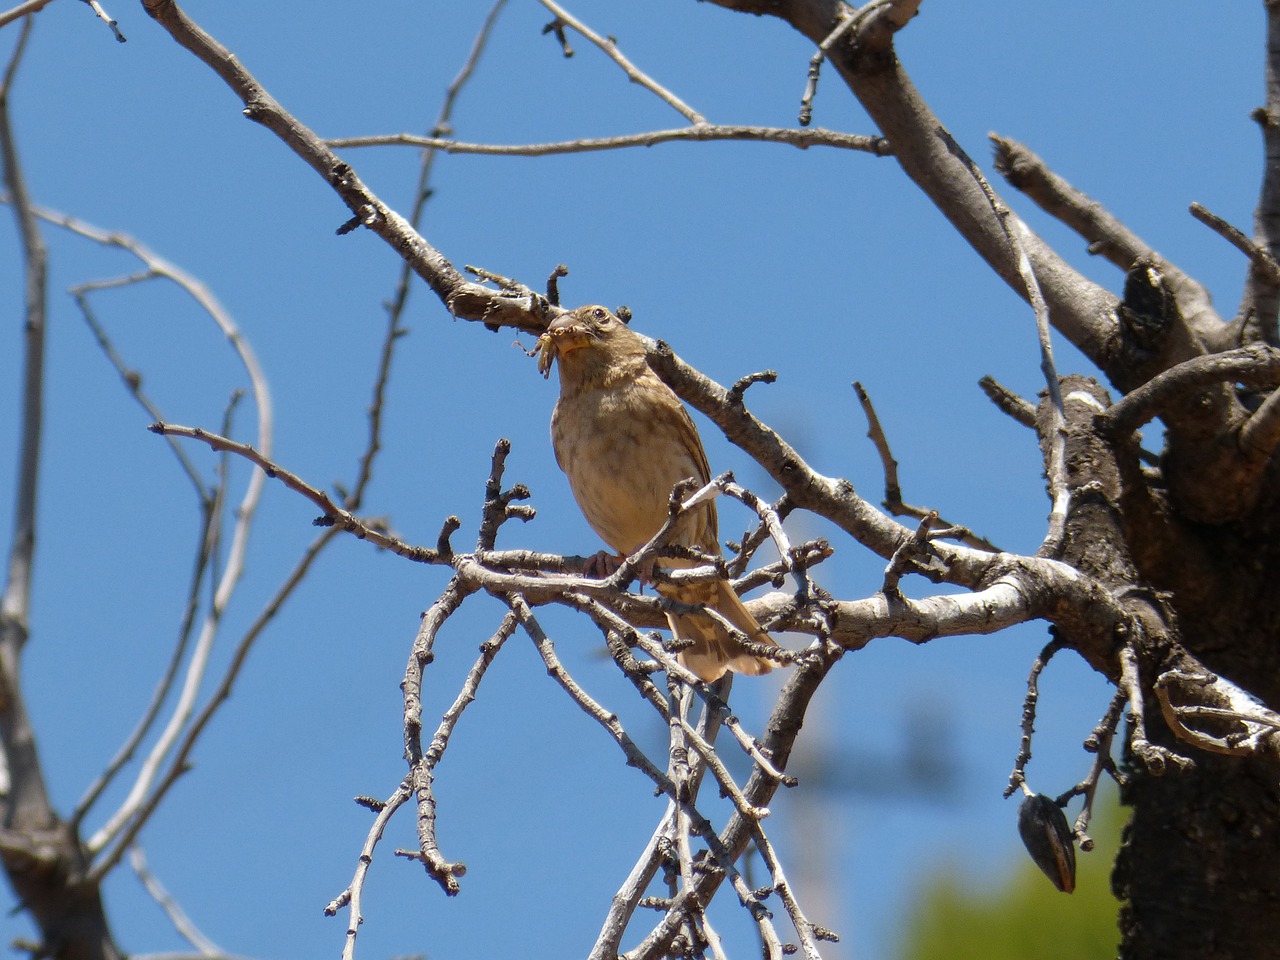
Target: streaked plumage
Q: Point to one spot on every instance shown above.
(624, 440)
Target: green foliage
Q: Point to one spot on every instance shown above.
(1024, 917)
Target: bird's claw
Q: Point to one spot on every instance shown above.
(602, 565)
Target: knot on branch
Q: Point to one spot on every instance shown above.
(1148, 309)
(444, 872)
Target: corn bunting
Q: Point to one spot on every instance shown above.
(624, 440)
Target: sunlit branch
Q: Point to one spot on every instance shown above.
(803, 139)
(1105, 234)
(352, 896)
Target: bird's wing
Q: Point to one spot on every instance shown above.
(693, 443)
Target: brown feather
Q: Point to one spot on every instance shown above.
(624, 440)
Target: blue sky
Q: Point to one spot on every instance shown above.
(823, 265)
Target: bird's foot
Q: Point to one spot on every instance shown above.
(604, 564)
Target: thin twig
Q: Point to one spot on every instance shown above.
(893, 501)
(715, 703)
(209, 533)
(488, 650)
(634, 74)
(419, 779)
(807, 931)
(1264, 262)
(1256, 726)
(334, 515)
(156, 267)
(628, 896)
(1018, 779)
(1008, 402)
(107, 19)
(912, 552)
(815, 64)
(172, 909)
(400, 297)
(19, 761)
(1056, 440)
(353, 894)
(22, 9)
(678, 771)
(131, 378)
(179, 765)
(781, 509)
(1099, 744)
(1156, 758)
(802, 139)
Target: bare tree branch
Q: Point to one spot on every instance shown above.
(893, 501)
(25, 804)
(354, 892)
(173, 910)
(1254, 366)
(128, 830)
(1053, 436)
(1106, 235)
(1260, 434)
(634, 74)
(229, 575)
(42, 855)
(1008, 402)
(466, 300)
(22, 9)
(804, 139)
(400, 297)
(1260, 305)
(333, 515)
(106, 18)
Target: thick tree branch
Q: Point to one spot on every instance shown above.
(1257, 367)
(1085, 313)
(1106, 235)
(1260, 305)
(467, 300)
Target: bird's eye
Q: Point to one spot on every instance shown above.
(599, 313)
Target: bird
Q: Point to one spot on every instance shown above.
(624, 440)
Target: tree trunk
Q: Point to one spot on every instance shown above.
(1199, 869)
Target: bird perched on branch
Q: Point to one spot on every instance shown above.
(624, 440)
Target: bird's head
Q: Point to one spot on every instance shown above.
(589, 336)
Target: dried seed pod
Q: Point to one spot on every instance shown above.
(1044, 830)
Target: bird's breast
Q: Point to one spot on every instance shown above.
(623, 449)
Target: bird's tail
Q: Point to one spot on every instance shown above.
(714, 651)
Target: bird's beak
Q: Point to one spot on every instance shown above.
(562, 336)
